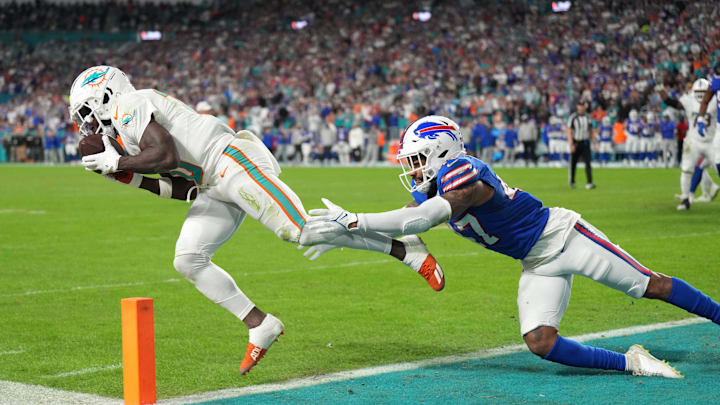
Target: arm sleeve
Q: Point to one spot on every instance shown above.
(407, 221)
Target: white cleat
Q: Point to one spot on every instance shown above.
(640, 362)
(705, 198)
(684, 205)
(261, 338)
(418, 258)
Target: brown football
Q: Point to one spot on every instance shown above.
(93, 144)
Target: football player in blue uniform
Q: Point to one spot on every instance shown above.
(553, 244)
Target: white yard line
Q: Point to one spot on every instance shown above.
(479, 251)
(25, 394)
(89, 287)
(83, 371)
(18, 351)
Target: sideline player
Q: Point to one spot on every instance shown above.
(553, 244)
(697, 145)
(703, 125)
(633, 128)
(236, 174)
(604, 137)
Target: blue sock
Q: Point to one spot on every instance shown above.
(697, 176)
(572, 353)
(717, 167)
(691, 299)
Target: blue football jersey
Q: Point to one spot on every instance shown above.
(634, 127)
(606, 133)
(715, 88)
(509, 223)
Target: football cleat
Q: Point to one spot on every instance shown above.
(418, 258)
(261, 338)
(705, 198)
(640, 362)
(684, 205)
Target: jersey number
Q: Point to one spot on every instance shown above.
(478, 233)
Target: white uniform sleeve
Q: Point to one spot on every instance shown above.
(132, 115)
(687, 100)
(407, 221)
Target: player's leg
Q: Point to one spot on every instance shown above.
(690, 158)
(615, 268)
(208, 225)
(542, 301)
(587, 252)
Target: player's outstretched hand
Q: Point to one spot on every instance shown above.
(104, 162)
(317, 250)
(328, 218)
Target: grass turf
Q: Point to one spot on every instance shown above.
(73, 244)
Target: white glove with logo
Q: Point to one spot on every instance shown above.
(105, 162)
(331, 220)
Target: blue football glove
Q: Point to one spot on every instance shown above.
(702, 126)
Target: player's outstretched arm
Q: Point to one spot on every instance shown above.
(705, 102)
(335, 221)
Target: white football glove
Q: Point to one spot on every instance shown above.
(331, 219)
(317, 250)
(105, 162)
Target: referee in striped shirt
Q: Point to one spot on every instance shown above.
(579, 133)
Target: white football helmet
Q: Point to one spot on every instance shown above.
(554, 120)
(633, 115)
(91, 95)
(425, 145)
(699, 88)
(606, 121)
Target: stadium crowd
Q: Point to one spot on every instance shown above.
(343, 87)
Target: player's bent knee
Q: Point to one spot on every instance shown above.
(541, 340)
(190, 264)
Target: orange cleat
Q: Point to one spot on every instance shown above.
(418, 258)
(261, 338)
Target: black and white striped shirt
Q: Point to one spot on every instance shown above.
(580, 125)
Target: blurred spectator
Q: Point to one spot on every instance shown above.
(356, 139)
(328, 137)
(366, 61)
(528, 135)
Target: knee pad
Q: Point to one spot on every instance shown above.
(190, 264)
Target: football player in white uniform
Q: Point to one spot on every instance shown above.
(704, 126)
(237, 176)
(697, 145)
(553, 244)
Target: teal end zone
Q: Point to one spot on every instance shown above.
(527, 379)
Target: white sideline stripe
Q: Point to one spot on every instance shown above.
(83, 371)
(391, 368)
(18, 351)
(14, 393)
(25, 394)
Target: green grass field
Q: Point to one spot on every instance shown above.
(73, 244)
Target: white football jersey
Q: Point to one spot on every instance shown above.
(200, 139)
(692, 107)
